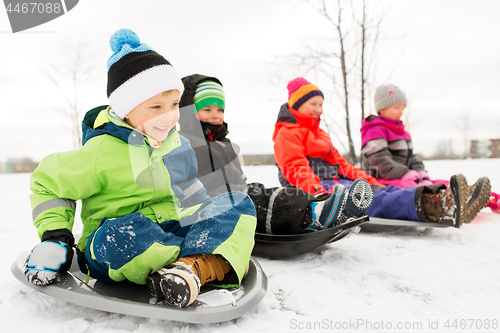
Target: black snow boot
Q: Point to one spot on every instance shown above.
(346, 203)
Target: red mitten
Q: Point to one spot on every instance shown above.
(494, 203)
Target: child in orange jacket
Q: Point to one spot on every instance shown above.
(303, 151)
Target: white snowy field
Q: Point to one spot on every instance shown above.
(409, 280)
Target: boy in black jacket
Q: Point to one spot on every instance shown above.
(280, 210)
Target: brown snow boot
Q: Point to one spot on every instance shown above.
(180, 282)
(479, 195)
(207, 267)
(449, 205)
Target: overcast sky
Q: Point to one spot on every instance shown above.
(444, 54)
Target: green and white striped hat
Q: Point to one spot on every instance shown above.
(208, 93)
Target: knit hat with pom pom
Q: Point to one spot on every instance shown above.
(299, 91)
(388, 95)
(136, 73)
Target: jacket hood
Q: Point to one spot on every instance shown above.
(98, 122)
(187, 121)
(373, 120)
(290, 117)
(285, 115)
(369, 124)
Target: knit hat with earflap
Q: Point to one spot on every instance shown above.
(136, 73)
(299, 91)
(388, 95)
(208, 93)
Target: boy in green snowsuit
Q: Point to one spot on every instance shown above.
(142, 206)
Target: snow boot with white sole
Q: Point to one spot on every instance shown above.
(346, 203)
(179, 283)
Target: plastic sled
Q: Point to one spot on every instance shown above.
(287, 246)
(406, 223)
(377, 224)
(212, 305)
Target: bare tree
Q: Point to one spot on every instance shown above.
(362, 25)
(342, 59)
(72, 74)
(336, 23)
(370, 26)
(444, 150)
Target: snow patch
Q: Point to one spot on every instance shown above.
(405, 275)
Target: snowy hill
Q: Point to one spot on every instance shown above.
(404, 280)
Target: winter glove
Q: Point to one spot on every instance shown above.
(494, 203)
(50, 258)
(425, 180)
(411, 176)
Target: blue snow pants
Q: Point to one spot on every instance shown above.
(133, 246)
(390, 202)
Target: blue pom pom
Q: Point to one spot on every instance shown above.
(122, 37)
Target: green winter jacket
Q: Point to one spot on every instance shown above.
(115, 173)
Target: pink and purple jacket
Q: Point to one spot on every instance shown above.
(387, 148)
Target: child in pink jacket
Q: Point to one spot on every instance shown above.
(388, 151)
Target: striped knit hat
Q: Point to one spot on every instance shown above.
(208, 93)
(388, 95)
(136, 73)
(299, 91)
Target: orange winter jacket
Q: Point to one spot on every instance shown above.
(305, 154)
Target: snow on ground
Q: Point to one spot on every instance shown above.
(403, 280)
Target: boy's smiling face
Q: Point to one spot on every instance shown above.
(312, 107)
(156, 116)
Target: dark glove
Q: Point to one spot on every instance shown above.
(50, 258)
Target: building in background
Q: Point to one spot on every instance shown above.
(18, 165)
(485, 148)
(264, 159)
